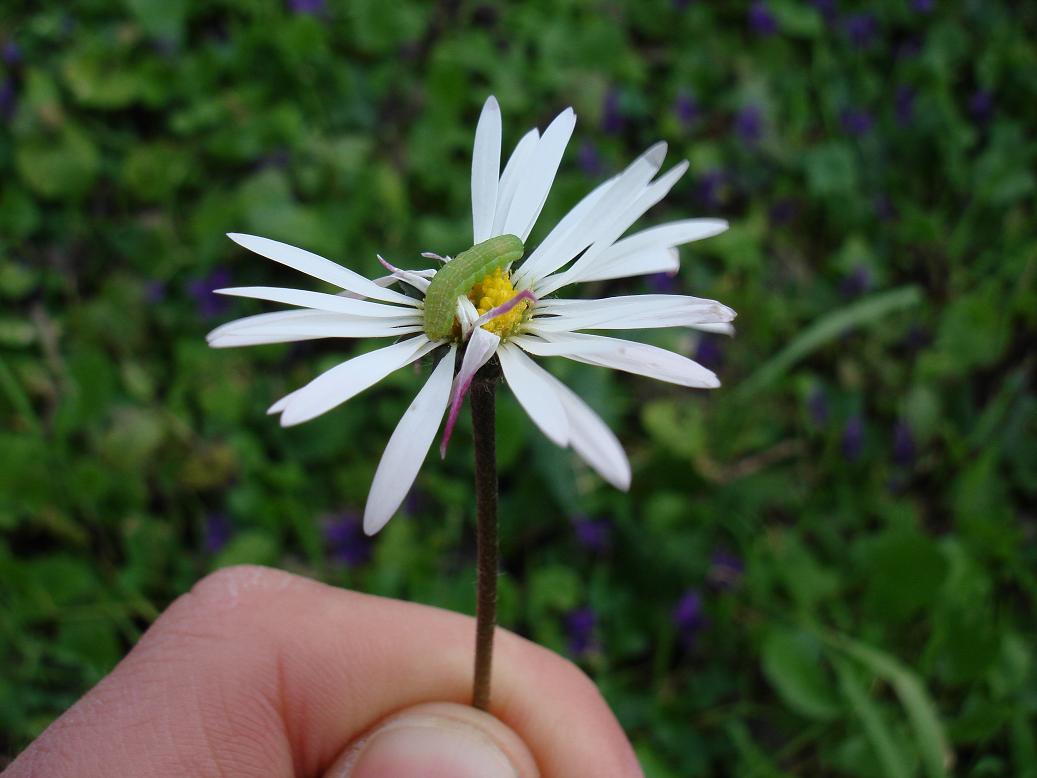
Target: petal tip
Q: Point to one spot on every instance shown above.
(374, 524)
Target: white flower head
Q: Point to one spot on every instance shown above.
(508, 312)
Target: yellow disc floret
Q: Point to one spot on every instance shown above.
(496, 289)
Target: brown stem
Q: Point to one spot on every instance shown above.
(487, 549)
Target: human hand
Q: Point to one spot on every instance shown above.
(257, 672)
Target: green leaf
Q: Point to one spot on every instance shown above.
(160, 18)
(929, 734)
(792, 664)
(58, 167)
(904, 572)
(831, 170)
(875, 727)
(827, 329)
(251, 547)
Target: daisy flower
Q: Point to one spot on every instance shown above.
(486, 303)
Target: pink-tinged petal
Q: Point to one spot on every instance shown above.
(481, 347)
(407, 276)
(504, 308)
(408, 446)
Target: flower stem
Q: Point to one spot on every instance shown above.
(487, 548)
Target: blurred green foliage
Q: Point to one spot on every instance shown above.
(846, 530)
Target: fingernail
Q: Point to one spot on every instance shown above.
(429, 747)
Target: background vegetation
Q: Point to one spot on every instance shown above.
(826, 567)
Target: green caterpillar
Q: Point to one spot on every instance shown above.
(459, 275)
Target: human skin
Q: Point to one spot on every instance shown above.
(257, 672)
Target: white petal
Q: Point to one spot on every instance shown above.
(591, 438)
(719, 329)
(653, 260)
(316, 300)
(262, 319)
(306, 319)
(616, 196)
(668, 235)
(625, 355)
(337, 385)
(535, 393)
(467, 314)
(334, 326)
(408, 447)
(645, 311)
(537, 179)
(564, 240)
(318, 267)
(518, 162)
(485, 169)
(652, 194)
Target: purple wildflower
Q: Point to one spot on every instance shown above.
(853, 438)
(922, 6)
(594, 535)
(981, 106)
(710, 352)
(861, 28)
(817, 406)
(857, 282)
(826, 8)
(218, 530)
(761, 20)
(709, 189)
(155, 292)
(903, 444)
(612, 121)
(209, 305)
(917, 338)
(749, 124)
(687, 110)
(347, 544)
(783, 211)
(725, 569)
(910, 47)
(856, 122)
(590, 159)
(579, 626)
(662, 283)
(8, 98)
(688, 617)
(884, 208)
(904, 104)
(11, 53)
(312, 7)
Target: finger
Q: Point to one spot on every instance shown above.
(437, 739)
(259, 672)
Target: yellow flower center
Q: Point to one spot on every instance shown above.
(496, 289)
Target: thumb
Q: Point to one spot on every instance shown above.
(437, 740)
